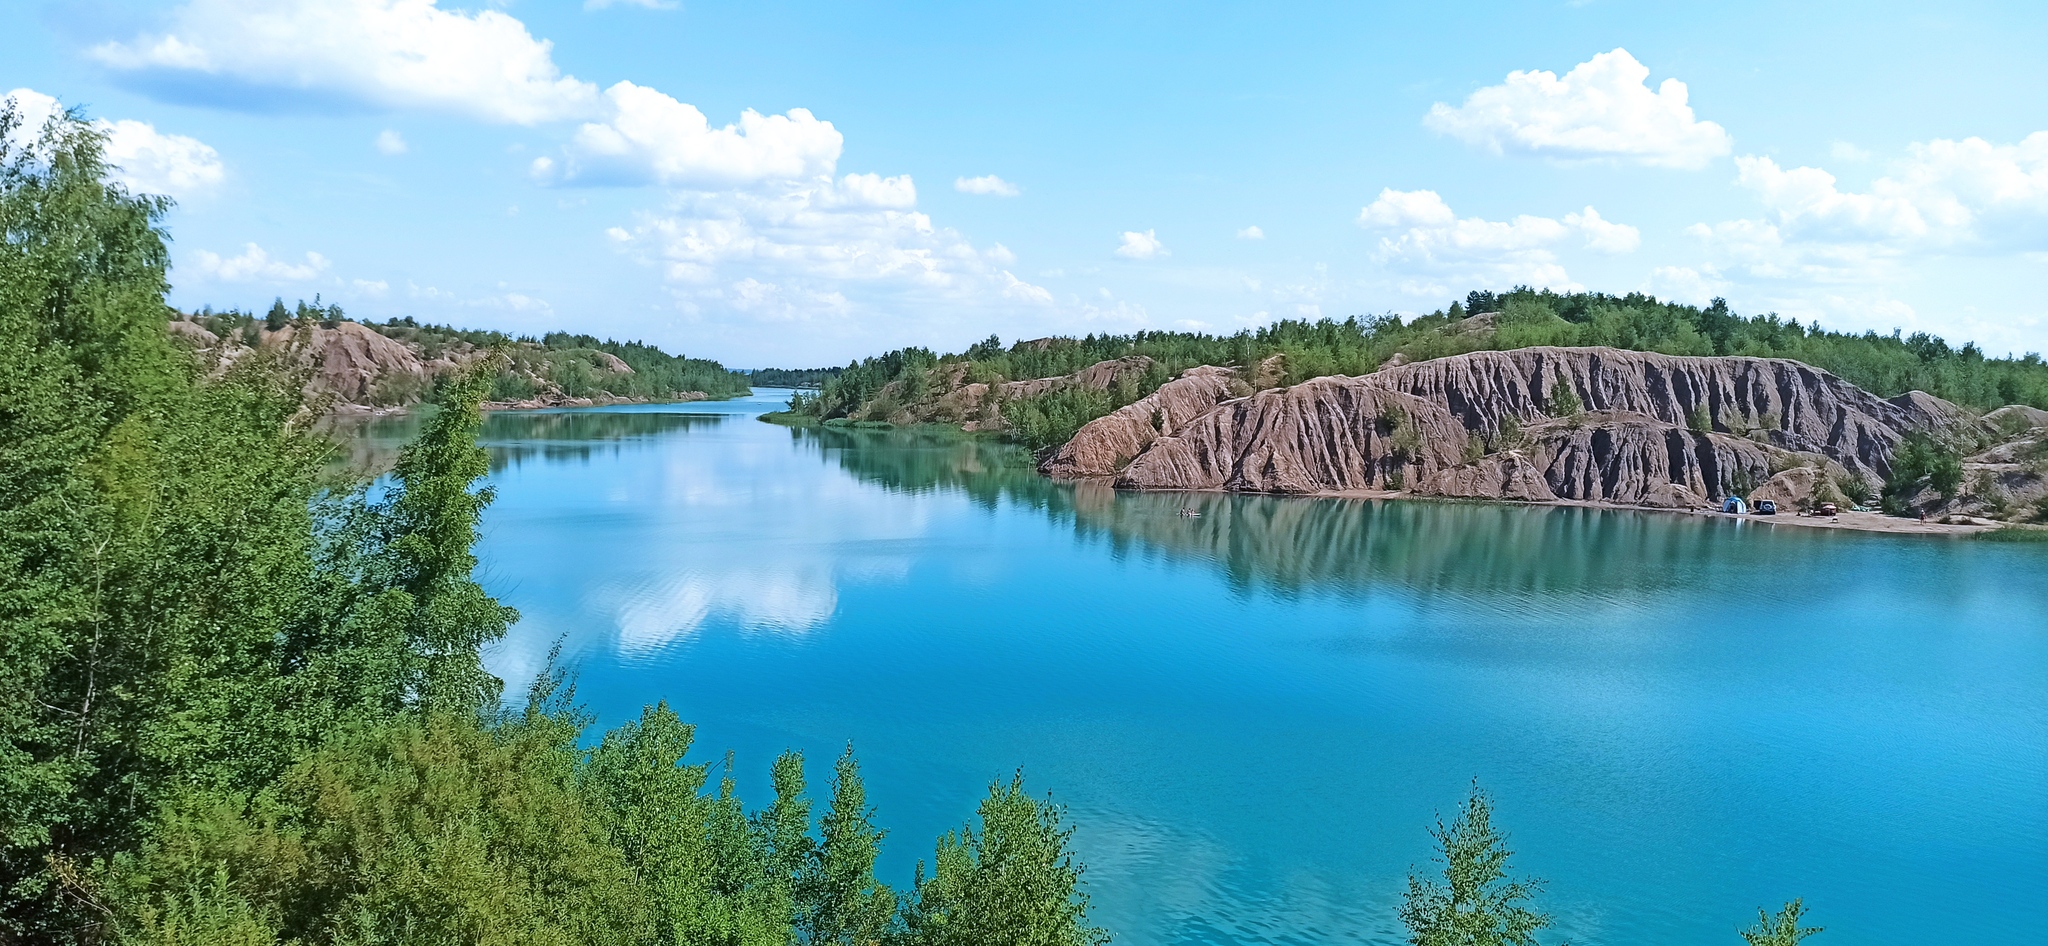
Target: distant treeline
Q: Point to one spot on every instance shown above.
(1884, 364)
(792, 377)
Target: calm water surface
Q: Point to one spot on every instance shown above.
(1254, 714)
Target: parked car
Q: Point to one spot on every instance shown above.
(1765, 507)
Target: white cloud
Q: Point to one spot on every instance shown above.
(1602, 235)
(1968, 196)
(1846, 151)
(649, 137)
(1686, 284)
(1251, 233)
(376, 288)
(988, 184)
(391, 53)
(1601, 110)
(798, 251)
(145, 159)
(1144, 245)
(255, 265)
(1433, 241)
(391, 142)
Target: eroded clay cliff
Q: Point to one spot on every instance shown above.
(1637, 428)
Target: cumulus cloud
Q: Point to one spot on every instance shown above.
(647, 137)
(1144, 245)
(391, 142)
(1968, 196)
(145, 159)
(1603, 109)
(1429, 239)
(819, 248)
(1251, 233)
(390, 53)
(987, 184)
(255, 265)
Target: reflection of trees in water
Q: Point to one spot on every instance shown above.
(924, 459)
(371, 444)
(1330, 545)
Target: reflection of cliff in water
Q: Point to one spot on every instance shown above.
(1341, 546)
(371, 445)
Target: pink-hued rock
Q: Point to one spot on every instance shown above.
(1333, 433)
(1106, 444)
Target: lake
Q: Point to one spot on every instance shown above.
(1254, 714)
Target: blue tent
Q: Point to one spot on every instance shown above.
(1734, 504)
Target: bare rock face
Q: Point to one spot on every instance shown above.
(1638, 460)
(2017, 415)
(1610, 457)
(193, 334)
(1653, 430)
(1509, 475)
(1331, 433)
(1106, 444)
(352, 360)
(1792, 405)
(1796, 487)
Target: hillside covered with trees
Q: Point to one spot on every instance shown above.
(1886, 365)
(402, 362)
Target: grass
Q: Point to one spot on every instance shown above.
(2015, 534)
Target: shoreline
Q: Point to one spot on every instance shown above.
(535, 404)
(1869, 522)
(1873, 522)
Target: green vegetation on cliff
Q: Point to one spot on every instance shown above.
(556, 365)
(1887, 365)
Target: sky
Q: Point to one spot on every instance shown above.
(791, 184)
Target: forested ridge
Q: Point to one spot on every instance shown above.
(876, 387)
(419, 360)
(243, 702)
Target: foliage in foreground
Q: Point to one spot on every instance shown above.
(240, 705)
(1477, 903)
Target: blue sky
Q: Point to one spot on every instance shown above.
(931, 174)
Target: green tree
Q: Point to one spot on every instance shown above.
(1564, 402)
(1016, 881)
(1780, 930)
(647, 800)
(1477, 904)
(844, 904)
(785, 827)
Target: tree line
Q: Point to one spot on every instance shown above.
(1887, 365)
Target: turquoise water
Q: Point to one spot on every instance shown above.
(1254, 714)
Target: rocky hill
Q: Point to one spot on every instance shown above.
(355, 367)
(1548, 424)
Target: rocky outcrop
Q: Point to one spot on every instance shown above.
(2017, 416)
(1651, 430)
(1331, 433)
(1789, 404)
(1114, 440)
(353, 368)
(351, 363)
